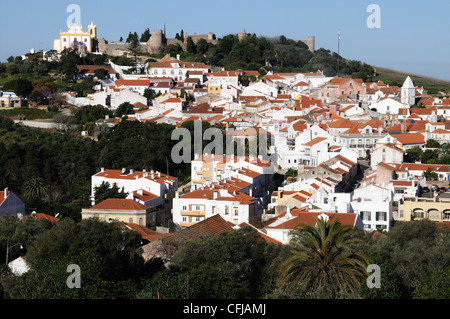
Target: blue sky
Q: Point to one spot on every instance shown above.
(414, 35)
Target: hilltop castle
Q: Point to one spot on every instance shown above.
(155, 45)
(88, 41)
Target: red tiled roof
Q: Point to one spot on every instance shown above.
(213, 225)
(119, 204)
(410, 138)
(315, 141)
(2, 197)
(50, 218)
(146, 233)
(133, 82)
(308, 218)
(89, 69)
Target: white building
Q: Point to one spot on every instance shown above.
(153, 189)
(386, 153)
(389, 106)
(280, 229)
(174, 68)
(195, 206)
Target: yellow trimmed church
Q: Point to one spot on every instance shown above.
(76, 38)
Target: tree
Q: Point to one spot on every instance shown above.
(202, 46)
(35, 187)
(105, 191)
(415, 250)
(322, 256)
(430, 174)
(414, 154)
(22, 87)
(124, 109)
(239, 255)
(192, 284)
(68, 64)
(434, 285)
(101, 74)
(190, 45)
(134, 47)
(36, 96)
(151, 94)
(145, 36)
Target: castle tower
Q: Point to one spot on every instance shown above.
(311, 43)
(156, 41)
(242, 35)
(408, 92)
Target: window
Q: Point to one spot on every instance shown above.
(130, 220)
(184, 208)
(141, 221)
(184, 219)
(226, 210)
(381, 216)
(365, 216)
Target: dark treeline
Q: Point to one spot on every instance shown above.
(413, 260)
(264, 54)
(60, 165)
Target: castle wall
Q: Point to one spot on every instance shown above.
(156, 43)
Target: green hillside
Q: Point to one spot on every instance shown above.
(393, 77)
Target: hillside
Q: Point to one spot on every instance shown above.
(393, 77)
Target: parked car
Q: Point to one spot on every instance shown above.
(425, 189)
(442, 189)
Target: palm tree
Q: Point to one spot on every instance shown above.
(322, 257)
(35, 187)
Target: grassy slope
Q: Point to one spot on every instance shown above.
(394, 77)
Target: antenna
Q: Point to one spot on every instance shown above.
(339, 50)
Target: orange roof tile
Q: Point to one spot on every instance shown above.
(315, 141)
(119, 204)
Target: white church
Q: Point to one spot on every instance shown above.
(76, 37)
(392, 105)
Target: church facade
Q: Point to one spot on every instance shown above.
(75, 37)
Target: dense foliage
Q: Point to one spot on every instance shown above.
(269, 54)
(66, 162)
(413, 258)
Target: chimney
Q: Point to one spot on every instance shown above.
(6, 192)
(123, 170)
(103, 169)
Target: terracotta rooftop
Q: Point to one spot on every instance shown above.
(213, 225)
(119, 204)
(308, 218)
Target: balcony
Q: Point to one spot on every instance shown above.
(196, 213)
